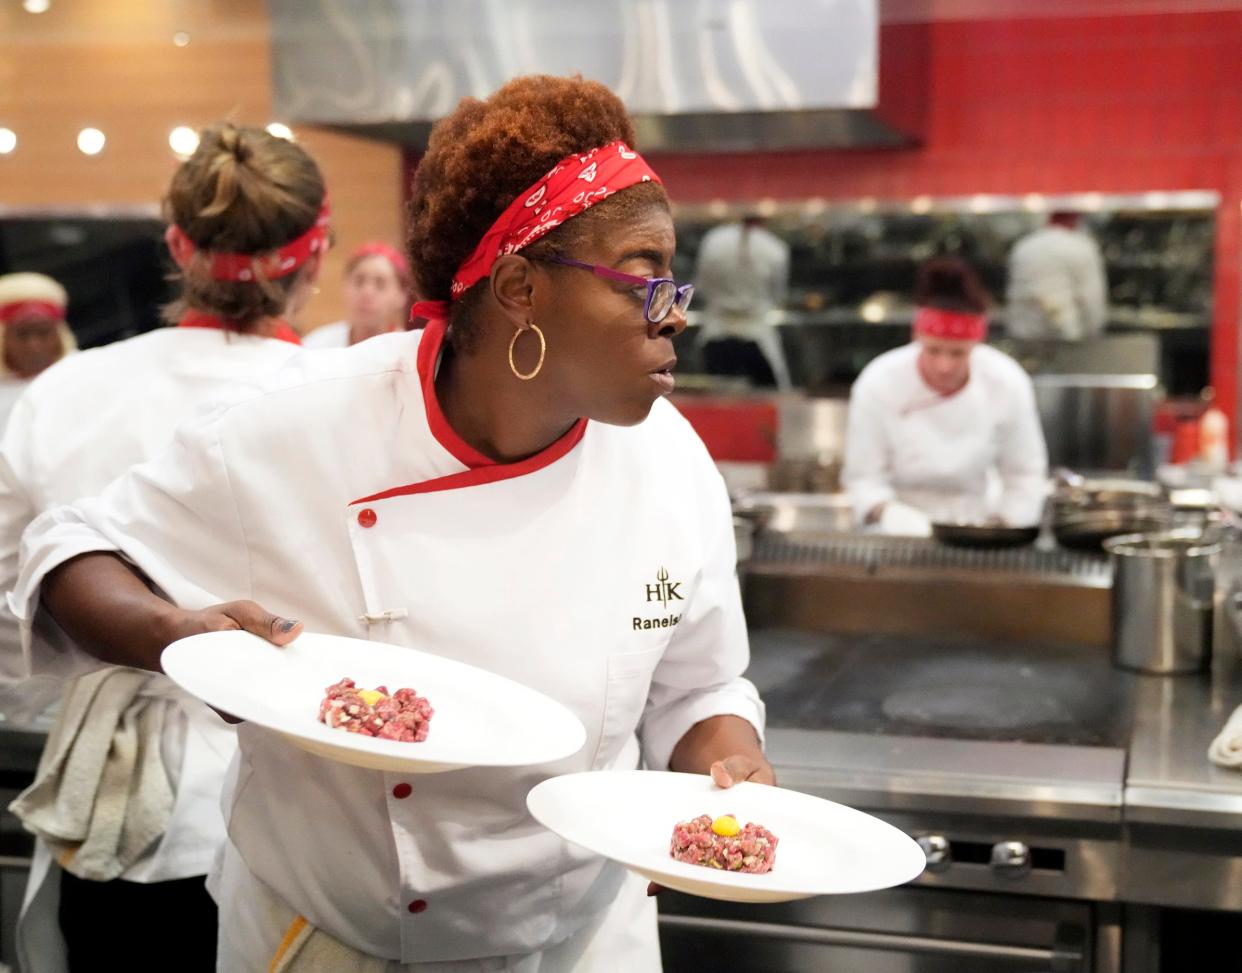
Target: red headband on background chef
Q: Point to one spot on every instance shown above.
(272, 264)
(377, 248)
(570, 188)
(953, 325)
(28, 295)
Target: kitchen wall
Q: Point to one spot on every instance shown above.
(1124, 103)
(113, 65)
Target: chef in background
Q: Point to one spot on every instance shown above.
(248, 228)
(1057, 287)
(33, 332)
(742, 276)
(377, 298)
(945, 429)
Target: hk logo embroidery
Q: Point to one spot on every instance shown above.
(664, 590)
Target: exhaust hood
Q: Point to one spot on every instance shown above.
(698, 75)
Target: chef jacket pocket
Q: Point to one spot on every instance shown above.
(625, 696)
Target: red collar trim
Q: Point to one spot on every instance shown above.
(201, 319)
(482, 469)
(429, 347)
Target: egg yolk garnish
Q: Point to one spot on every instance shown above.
(370, 696)
(726, 826)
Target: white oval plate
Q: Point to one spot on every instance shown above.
(823, 848)
(481, 719)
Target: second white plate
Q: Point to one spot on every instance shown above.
(822, 848)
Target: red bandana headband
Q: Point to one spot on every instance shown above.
(953, 325)
(570, 188)
(391, 254)
(30, 309)
(277, 263)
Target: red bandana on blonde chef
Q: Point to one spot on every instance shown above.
(277, 263)
(953, 325)
(570, 188)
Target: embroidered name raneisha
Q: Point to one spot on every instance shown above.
(664, 592)
(666, 622)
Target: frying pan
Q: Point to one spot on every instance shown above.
(971, 535)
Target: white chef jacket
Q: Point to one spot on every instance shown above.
(11, 389)
(81, 423)
(1057, 287)
(335, 335)
(742, 277)
(908, 443)
(554, 571)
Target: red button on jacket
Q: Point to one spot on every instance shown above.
(366, 517)
(402, 791)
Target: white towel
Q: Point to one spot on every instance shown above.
(306, 949)
(1226, 749)
(102, 796)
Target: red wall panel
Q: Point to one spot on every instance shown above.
(1069, 104)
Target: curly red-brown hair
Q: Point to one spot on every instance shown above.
(485, 153)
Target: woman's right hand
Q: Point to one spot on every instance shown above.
(232, 616)
(111, 612)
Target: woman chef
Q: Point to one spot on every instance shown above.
(243, 195)
(945, 429)
(377, 297)
(506, 487)
(33, 332)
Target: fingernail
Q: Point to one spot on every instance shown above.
(286, 625)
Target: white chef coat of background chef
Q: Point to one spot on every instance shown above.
(542, 571)
(1057, 286)
(334, 335)
(742, 276)
(959, 458)
(80, 424)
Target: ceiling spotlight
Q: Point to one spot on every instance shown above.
(8, 141)
(91, 141)
(181, 38)
(183, 140)
(280, 130)
(37, 6)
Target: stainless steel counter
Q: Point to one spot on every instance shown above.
(1170, 779)
(1150, 802)
(900, 774)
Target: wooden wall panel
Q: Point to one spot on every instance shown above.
(112, 64)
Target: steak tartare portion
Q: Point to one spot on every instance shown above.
(404, 715)
(724, 844)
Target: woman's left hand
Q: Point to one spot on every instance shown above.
(732, 735)
(742, 766)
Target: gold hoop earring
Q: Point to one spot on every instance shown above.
(543, 347)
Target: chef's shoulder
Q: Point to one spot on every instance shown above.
(999, 369)
(886, 379)
(664, 442)
(330, 382)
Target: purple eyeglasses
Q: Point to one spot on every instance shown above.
(663, 293)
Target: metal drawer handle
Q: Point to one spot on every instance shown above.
(937, 850)
(1059, 959)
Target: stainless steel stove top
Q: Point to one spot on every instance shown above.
(947, 687)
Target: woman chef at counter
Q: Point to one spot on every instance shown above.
(945, 429)
(505, 488)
